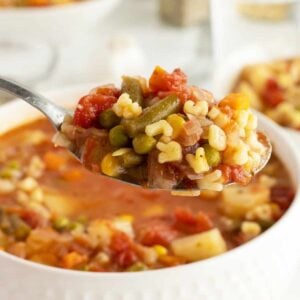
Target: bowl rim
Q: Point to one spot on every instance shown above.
(80, 90)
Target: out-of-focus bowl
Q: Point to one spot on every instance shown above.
(56, 23)
(227, 73)
(261, 269)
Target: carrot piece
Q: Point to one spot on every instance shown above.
(72, 174)
(236, 101)
(73, 259)
(54, 161)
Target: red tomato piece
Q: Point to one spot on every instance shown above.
(106, 90)
(163, 83)
(283, 196)
(239, 175)
(33, 219)
(120, 242)
(157, 233)
(272, 94)
(126, 258)
(188, 222)
(235, 173)
(89, 108)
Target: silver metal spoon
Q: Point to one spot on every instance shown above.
(56, 114)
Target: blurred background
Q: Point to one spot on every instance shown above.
(49, 44)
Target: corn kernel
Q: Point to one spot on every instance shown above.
(169, 152)
(198, 161)
(125, 108)
(160, 127)
(110, 166)
(198, 108)
(160, 250)
(216, 138)
(177, 123)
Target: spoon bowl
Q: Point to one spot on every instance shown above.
(57, 114)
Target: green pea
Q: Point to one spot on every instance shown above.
(143, 143)
(213, 156)
(118, 137)
(61, 223)
(131, 159)
(136, 267)
(132, 87)
(109, 119)
(158, 111)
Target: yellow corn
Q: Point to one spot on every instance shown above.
(160, 250)
(110, 166)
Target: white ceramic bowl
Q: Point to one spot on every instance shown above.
(260, 269)
(56, 23)
(227, 73)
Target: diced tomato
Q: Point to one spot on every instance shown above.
(33, 219)
(163, 83)
(120, 242)
(239, 175)
(235, 174)
(106, 90)
(272, 95)
(89, 109)
(126, 258)
(94, 150)
(283, 196)
(157, 233)
(188, 222)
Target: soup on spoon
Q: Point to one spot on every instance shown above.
(165, 134)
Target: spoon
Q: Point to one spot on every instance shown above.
(56, 115)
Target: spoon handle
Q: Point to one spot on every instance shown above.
(54, 113)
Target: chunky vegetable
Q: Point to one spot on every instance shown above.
(199, 246)
(132, 87)
(154, 113)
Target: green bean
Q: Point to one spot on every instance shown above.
(213, 156)
(142, 143)
(131, 159)
(108, 119)
(132, 87)
(154, 113)
(118, 137)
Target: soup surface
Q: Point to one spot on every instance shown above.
(55, 212)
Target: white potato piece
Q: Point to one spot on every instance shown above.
(199, 246)
(237, 200)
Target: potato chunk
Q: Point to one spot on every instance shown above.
(199, 246)
(237, 201)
